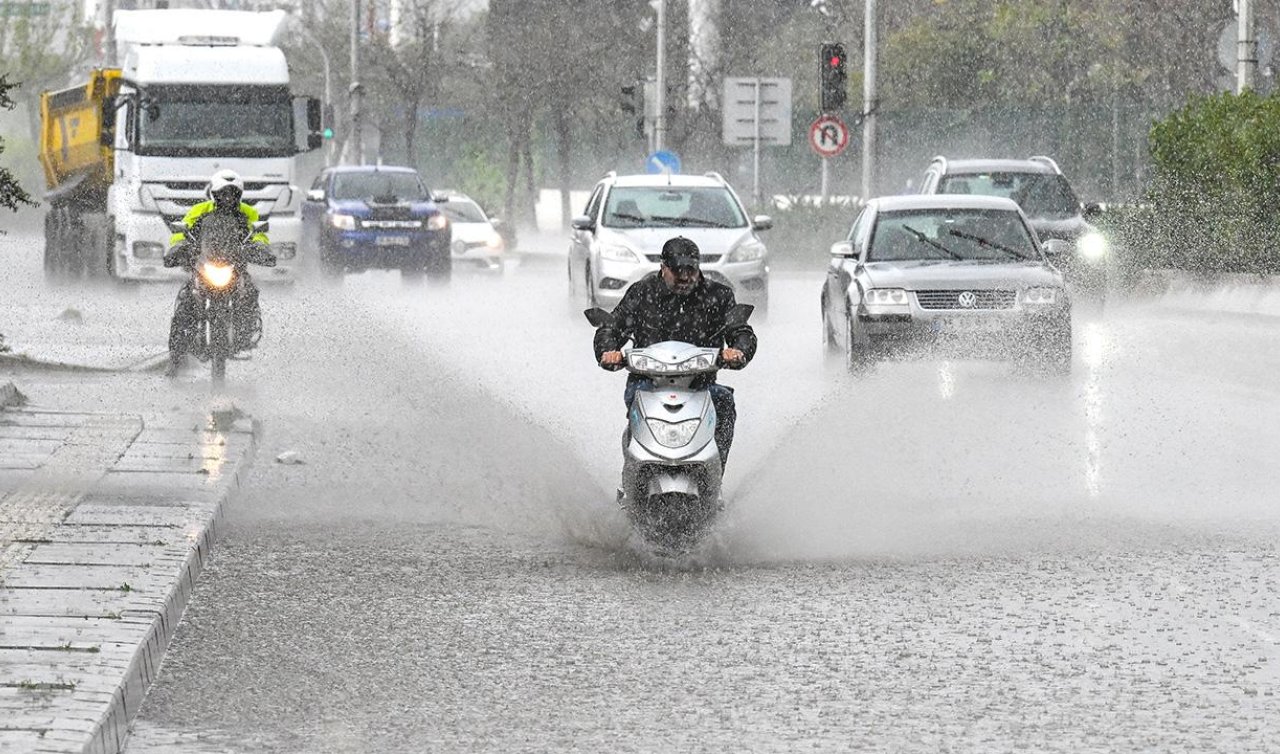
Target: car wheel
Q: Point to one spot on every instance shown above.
(331, 270)
(440, 268)
(830, 345)
(858, 358)
(1052, 350)
(592, 302)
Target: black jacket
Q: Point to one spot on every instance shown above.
(650, 312)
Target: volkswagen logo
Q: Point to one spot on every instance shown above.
(967, 300)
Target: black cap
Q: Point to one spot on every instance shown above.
(680, 252)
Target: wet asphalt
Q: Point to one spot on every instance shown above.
(944, 556)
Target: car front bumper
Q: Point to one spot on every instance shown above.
(749, 280)
(383, 249)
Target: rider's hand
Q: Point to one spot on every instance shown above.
(733, 357)
(611, 359)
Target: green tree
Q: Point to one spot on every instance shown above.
(11, 194)
(43, 49)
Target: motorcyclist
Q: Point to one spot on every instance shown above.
(678, 303)
(224, 192)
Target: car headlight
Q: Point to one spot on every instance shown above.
(748, 252)
(343, 222)
(1092, 246)
(437, 222)
(217, 275)
(284, 250)
(885, 297)
(673, 434)
(618, 253)
(148, 250)
(1040, 296)
(495, 242)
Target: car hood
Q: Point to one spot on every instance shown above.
(650, 240)
(361, 207)
(1067, 229)
(929, 275)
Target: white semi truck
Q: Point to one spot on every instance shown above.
(132, 149)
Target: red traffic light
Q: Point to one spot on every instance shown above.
(835, 61)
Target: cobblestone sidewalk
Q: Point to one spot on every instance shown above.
(106, 521)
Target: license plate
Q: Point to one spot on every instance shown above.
(391, 241)
(972, 325)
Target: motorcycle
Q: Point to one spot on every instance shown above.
(217, 270)
(671, 470)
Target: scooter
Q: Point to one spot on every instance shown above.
(671, 470)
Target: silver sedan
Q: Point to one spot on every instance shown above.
(945, 273)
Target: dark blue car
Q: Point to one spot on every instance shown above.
(362, 217)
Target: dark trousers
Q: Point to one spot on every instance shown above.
(721, 398)
(184, 333)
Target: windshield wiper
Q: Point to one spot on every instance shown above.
(697, 221)
(933, 243)
(987, 242)
(627, 216)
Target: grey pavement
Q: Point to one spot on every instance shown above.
(106, 520)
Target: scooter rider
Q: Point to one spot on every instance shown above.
(225, 190)
(678, 303)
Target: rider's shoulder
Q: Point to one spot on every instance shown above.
(717, 289)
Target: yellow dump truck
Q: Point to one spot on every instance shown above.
(76, 152)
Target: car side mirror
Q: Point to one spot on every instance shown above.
(761, 222)
(582, 222)
(495, 222)
(599, 317)
(1055, 247)
(843, 250)
(315, 195)
(1091, 211)
(439, 198)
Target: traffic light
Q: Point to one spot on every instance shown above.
(832, 76)
(630, 101)
(327, 133)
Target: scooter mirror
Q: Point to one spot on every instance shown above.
(598, 317)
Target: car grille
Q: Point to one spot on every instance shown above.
(705, 259)
(981, 299)
(391, 213)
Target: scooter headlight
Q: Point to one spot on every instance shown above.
(673, 434)
(217, 275)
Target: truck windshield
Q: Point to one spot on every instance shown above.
(216, 121)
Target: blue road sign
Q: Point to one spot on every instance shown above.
(662, 161)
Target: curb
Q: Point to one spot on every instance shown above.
(23, 361)
(113, 729)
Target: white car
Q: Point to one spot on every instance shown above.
(476, 240)
(619, 237)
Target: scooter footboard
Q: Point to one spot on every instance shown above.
(666, 482)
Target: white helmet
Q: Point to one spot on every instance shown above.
(223, 179)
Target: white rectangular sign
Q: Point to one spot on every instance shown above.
(747, 100)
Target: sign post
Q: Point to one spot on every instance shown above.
(828, 136)
(757, 111)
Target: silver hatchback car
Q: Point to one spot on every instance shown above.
(619, 237)
(945, 272)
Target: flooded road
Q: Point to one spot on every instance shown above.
(941, 556)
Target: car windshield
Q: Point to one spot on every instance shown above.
(463, 211)
(213, 121)
(381, 185)
(969, 235)
(1044, 195)
(672, 207)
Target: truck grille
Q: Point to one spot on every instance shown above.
(993, 299)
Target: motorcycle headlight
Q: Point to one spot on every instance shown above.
(673, 434)
(343, 222)
(437, 222)
(642, 363)
(1040, 296)
(618, 253)
(1092, 246)
(217, 275)
(748, 252)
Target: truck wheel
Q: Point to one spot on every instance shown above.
(51, 244)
